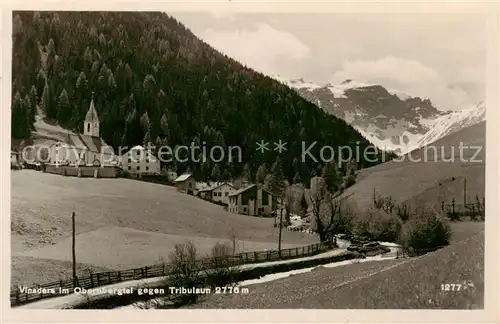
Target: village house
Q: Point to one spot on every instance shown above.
(252, 200)
(186, 183)
(218, 192)
(14, 159)
(139, 161)
(171, 175)
(83, 149)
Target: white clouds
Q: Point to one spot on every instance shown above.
(437, 56)
(409, 76)
(262, 49)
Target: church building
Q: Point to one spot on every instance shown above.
(84, 149)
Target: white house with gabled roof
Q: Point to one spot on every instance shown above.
(218, 192)
(140, 161)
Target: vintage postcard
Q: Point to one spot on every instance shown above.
(299, 161)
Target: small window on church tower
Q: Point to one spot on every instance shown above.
(88, 127)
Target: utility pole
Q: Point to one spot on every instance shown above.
(280, 227)
(73, 248)
(465, 192)
(280, 224)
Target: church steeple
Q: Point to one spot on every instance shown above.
(91, 123)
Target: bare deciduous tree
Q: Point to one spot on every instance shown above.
(328, 217)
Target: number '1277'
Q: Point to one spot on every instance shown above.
(451, 287)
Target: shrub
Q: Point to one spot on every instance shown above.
(426, 230)
(186, 272)
(403, 212)
(219, 266)
(349, 181)
(377, 225)
(189, 270)
(15, 167)
(125, 174)
(386, 204)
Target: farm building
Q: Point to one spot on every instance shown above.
(252, 200)
(83, 149)
(218, 192)
(140, 161)
(186, 183)
(14, 158)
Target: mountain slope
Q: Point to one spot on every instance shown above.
(453, 122)
(152, 80)
(388, 118)
(413, 283)
(440, 169)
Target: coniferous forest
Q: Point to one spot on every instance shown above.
(153, 80)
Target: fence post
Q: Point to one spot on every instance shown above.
(442, 205)
(98, 279)
(296, 251)
(255, 256)
(163, 268)
(146, 271)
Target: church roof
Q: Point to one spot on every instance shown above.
(92, 113)
(87, 142)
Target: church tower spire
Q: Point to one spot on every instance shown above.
(91, 123)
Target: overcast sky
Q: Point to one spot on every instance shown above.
(437, 56)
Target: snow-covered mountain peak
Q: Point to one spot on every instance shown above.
(389, 118)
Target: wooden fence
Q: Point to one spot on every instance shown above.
(474, 209)
(54, 289)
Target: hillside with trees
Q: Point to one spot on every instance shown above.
(153, 80)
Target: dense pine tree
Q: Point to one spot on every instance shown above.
(216, 175)
(148, 66)
(20, 117)
(261, 174)
(332, 176)
(276, 182)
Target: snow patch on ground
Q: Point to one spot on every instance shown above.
(280, 275)
(275, 276)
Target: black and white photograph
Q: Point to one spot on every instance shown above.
(205, 159)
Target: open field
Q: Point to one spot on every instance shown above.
(418, 183)
(122, 223)
(403, 283)
(464, 229)
(121, 248)
(29, 271)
